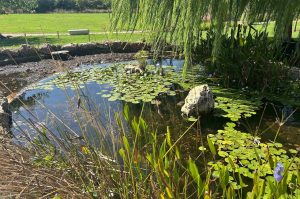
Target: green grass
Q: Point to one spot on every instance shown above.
(271, 26)
(51, 23)
(62, 22)
(16, 42)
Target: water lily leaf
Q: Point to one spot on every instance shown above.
(112, 99)
(106, 95)
(222, 153)
(293, 151)
(192, 119)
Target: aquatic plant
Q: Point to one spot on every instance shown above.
(235, 104)
(244, 148)
(143, 163)
(245, 155)
(128, 159)
(278, 172)
(134, 88)
(149, 167)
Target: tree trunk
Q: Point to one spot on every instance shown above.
(289, 30)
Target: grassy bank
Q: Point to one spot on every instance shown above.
(51, 23)
(62, 22)
(16, 42)
(19, 24)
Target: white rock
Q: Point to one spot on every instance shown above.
(199, 101)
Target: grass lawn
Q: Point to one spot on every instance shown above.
(15, 42)
(51, 23)
(271, 26)
(62, 22)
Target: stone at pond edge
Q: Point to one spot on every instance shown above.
(5, 116)
(199, 101)
(61, 55)
(134, 68)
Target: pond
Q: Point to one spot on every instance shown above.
(88, 99)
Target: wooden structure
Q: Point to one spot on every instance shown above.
(61, 55)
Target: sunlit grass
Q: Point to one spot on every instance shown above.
(271, 26)
(16, 42)
(51, 23)
(62, 22)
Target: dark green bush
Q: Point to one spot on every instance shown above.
(248, 59)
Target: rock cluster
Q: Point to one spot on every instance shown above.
(134, 68)
(199, 101)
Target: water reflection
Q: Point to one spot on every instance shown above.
(266, 123)
(68, 111)
(82, 110)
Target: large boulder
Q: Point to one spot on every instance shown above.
(5, 115)
(199, 101)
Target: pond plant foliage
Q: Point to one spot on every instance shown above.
(134, 160)
(134, 88)
(234, 164)
(143, 162)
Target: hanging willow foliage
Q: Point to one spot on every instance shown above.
(181, 21)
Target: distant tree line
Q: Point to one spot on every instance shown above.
(17, 6)
(43, 6)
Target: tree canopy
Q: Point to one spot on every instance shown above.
(17, 6)
(180, 21)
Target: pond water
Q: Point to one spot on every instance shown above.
(91, 104)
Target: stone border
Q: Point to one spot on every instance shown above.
(29, 53)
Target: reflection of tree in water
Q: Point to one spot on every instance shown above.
(274, 116)
(166, 111)
(29, 101)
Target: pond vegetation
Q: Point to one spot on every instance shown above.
(139, 143)
(119, 133)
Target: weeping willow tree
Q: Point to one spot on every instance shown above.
(179, 22)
